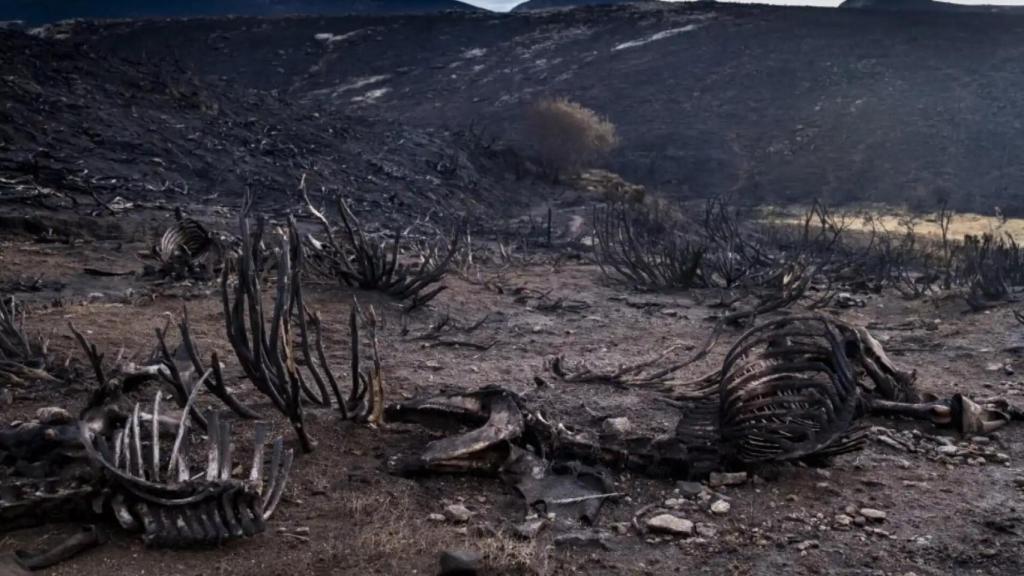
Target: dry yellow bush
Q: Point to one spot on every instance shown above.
(567, 135)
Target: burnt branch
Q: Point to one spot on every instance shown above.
(353, 259)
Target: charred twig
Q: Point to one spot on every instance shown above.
(184, 384)
(645, 372)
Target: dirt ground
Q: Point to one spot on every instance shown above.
(944, 513)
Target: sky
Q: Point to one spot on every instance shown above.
(502, 5)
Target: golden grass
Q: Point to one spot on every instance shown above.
(927, 225)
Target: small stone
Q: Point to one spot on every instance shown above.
(706, 530)
(460, 563)
(435, 517)
(1001, 457)
(689, 489)
(434, 365)
(994, 366)
(457, 513)
(873, 515)
(947, 450)
(674, 503)
(616, 426)
(529, 529)
(52, 415)
(718, 479)
(843, 520)
(806, 544)
(720, 507)
(669, 524)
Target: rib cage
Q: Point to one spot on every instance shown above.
(788, 391)
(171, 505)
(187, 239)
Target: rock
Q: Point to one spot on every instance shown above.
(873, 514)
(52, 415)
(994, 366)
(669, 524)
(689, 489)
(842, 520)
(947, 450)
(529, 529)
(460, 563)
(435, 517)
(617, 426)
(720, 507)
(457, 513)
(674, 503)
(718, 479)
(706, 530)
(806, 544)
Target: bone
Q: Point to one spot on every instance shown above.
(227, 508)
(137, 469)
(155, 467)
(118, 447)
(124, 517)
(259, 449)
(224, 450)
(213, 431)
(182, 428)
(280, 464)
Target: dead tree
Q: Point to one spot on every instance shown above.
(267, 351)
(645, 251)
(22, 358)
(353, 259)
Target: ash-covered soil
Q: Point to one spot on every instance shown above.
(772, 103)
(946, 510)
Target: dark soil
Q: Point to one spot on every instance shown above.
(943, 516)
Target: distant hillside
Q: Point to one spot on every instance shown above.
(42, 11)
(926, 5)
(860, 105)
(547, 4)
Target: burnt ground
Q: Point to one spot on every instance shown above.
(104, 128)
(943, 514)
